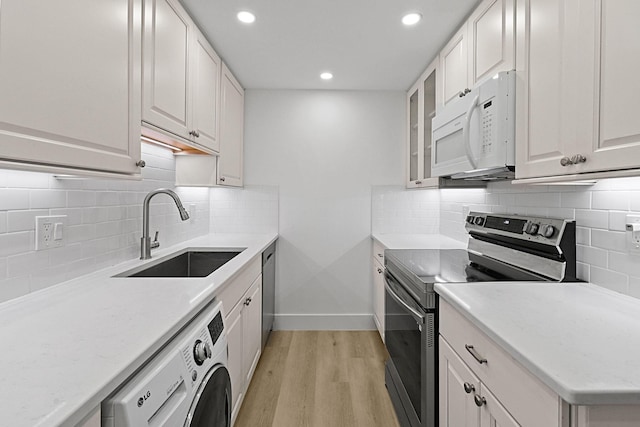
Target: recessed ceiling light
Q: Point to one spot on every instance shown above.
(326, 76)
(411, 18)
(246, 17)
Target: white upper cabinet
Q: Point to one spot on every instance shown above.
(482, 47)
(578, 66)
(181, 76)
(421, 108)
(230, 162)
(490, 30)
(70, 85)
(454, 65)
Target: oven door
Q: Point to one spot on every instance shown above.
(405, 335)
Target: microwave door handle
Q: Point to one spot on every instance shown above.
(467, 134)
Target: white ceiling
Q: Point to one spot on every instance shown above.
(362, 42)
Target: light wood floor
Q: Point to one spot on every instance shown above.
(319, 379)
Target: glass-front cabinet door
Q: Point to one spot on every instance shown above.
(421, 108)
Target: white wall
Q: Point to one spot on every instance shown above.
(394, 209)
(249, 210)
(325, 150)
(104, 221)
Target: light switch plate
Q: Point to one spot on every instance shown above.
(50, 231)
(633, 236)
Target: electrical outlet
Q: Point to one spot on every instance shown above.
(633, 233)
(50, 231)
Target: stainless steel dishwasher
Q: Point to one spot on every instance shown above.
(268, 291)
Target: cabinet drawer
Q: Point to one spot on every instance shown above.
(378, 251)
(528, 400)
(233, 292)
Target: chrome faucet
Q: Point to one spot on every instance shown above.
(145, 242)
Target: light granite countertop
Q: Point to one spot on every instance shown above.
(581, 340)
(66, 348)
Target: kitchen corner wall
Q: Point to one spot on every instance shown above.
(599, 210)
(324, 150)
(103, 225)
(394, 209)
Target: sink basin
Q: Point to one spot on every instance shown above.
(191, 262)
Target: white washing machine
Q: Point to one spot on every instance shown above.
(186, 384)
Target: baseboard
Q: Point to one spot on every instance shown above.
(324, 322)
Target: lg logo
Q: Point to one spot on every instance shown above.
(142, 399)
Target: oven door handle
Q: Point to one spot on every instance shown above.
(389, 286)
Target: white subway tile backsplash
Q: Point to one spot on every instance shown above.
(611, 240)
(23, 220)
(610, 279)
(576, 199)
(592, 256)
(12, 198)
(625, 263)
(47, 199)
(618, 220)
(103, 225)
(610, 200)
(593, 219)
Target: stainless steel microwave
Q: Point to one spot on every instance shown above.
(474, 136)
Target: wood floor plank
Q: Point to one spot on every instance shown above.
(319, 379)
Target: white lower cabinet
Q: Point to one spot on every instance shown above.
(378, 287)
(481, 385)
(242, 302)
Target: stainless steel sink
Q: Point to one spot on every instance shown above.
(190, 262)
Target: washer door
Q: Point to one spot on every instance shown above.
(211, 405)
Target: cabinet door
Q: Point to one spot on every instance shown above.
(414, 161)
(252, 325)
(491, 39)
(234, 327)
(206, 94)
(378, 297)
(493, 414)
(69, 84)
(618, 143)
(231, 130)
(454, 66)
(166, 95)
(456, 406)
(555, 89)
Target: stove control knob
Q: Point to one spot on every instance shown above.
(470, 219)
(548, 231)
(201, 352)
(532, 229)
(479, 221)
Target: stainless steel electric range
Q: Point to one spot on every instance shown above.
(501, 248)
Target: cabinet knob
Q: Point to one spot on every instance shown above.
(480, 401)
(141, 163)
(418, 182)
(247, 301)
(195, 133)
(222, 179)
(469, 388)
(578, 158)
(565, 161)
(379, 271)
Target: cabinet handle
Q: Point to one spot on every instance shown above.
(247, 301)
(468, 388)
(418, 182)
(194, 133)
(480, 401)
(379, 270)
(380, 255)
(141, 163)
(475, 354)
(222, 179)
